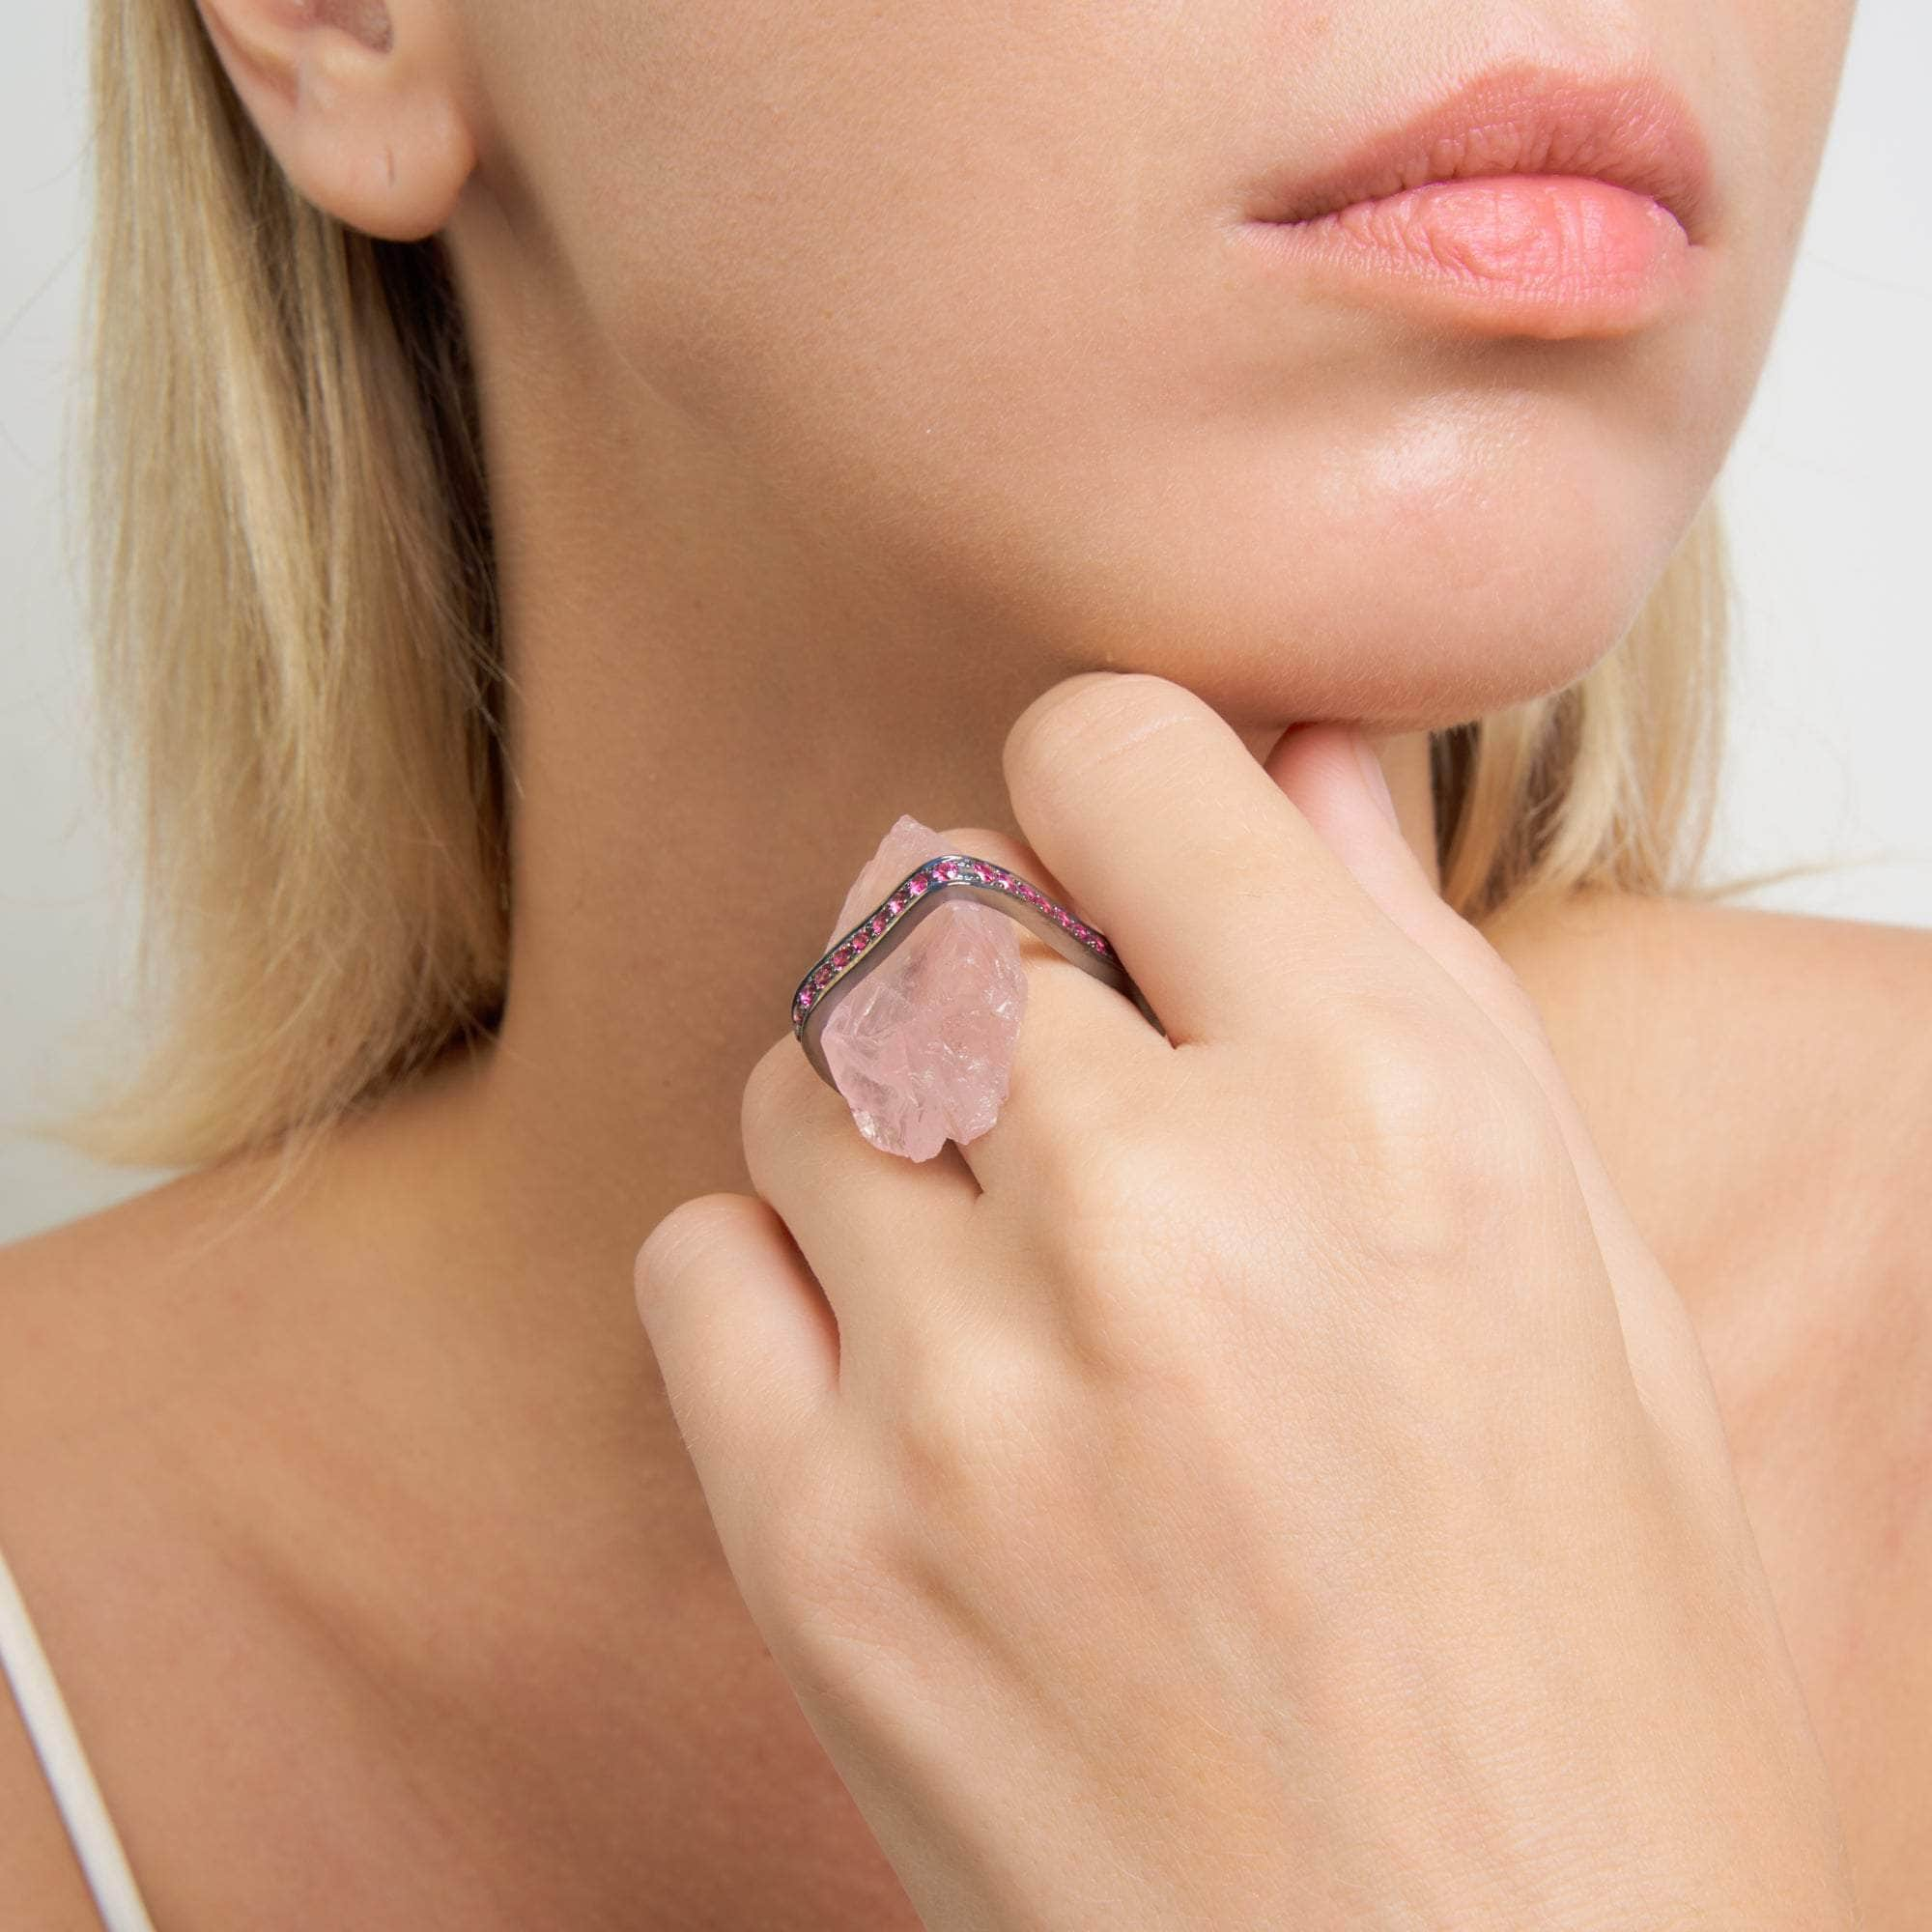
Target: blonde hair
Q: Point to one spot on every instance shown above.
(298, 673)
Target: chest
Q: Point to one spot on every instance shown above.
(275, 1761)
(274, 1764)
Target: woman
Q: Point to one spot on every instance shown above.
(566, 482)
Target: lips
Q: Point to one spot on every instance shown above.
(1630, 130)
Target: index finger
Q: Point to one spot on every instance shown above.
(1214, 889)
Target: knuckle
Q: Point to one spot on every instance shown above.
(1152, 1250)
(933, 1427)
(968, 1419)
(1407, 1091)
(981, 1443)
(1448, 1139)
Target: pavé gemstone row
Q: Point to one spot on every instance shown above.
(933, 875)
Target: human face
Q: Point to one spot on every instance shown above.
(982, 297)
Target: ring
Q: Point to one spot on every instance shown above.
(854, 954)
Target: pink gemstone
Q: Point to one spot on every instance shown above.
(804, 1000)
(1079, 931)
(842, 957)
(920, 1046)
(895, 906)
(878, 926)
(822, 978)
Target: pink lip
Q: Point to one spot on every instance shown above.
(1529, 200)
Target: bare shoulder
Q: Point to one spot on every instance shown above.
(50, 1310)
(1760, 1085)
(1782, 954)
(138, 1584)
(85, 1305)
(1832, 986)
(1744, 1069)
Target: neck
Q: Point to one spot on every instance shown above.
(717, 712)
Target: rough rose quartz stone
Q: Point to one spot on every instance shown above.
(922, 1046)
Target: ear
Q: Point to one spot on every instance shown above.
(359, 101)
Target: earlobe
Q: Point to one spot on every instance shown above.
(358, 101)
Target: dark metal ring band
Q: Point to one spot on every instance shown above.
(855, 953)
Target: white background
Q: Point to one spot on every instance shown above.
(1829, 508)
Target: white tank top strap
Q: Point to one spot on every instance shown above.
(102, 1860)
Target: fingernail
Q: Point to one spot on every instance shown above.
(1377, 778)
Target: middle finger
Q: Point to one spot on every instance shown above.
(1237, 920)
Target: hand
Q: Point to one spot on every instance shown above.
(1265, 1481)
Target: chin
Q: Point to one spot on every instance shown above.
(1410, 589)
(1391, 664)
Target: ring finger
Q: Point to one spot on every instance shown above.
(867, 1221)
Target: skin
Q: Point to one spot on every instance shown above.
(798, 510)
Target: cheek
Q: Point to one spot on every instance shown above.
(1768, 84)
(1795, 48)
(788, 217)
